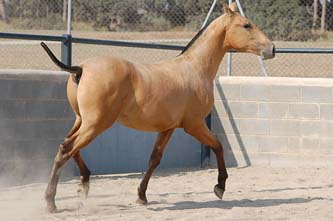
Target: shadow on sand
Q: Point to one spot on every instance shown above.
(184, 205)
(296, 188)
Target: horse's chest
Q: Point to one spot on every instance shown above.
(201, 101)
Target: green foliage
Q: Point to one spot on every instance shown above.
(281, 20)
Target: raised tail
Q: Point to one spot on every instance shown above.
(76, 70)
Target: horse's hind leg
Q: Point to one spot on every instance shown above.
(84, 175)
(61, 158)
(68, 149)
(84, 171)
(155, 158)
(75, 127)
(202, 133)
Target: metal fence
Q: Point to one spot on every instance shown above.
(290, 23)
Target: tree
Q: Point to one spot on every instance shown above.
(323, 17)
(3, 11)
(286, 20)
(64, 10)
(315, 15)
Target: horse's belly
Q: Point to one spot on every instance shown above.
(146, 124)
(152, 120)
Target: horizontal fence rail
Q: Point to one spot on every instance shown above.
(144, 45)
(31, 37)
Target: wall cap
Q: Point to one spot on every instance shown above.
(290, 81)
(36, 75)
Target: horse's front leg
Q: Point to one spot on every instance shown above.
(155, 158)
(202, 133)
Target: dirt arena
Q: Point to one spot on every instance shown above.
(253, 193)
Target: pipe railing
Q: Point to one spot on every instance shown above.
(65, 38)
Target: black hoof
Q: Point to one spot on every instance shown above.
(218, 192)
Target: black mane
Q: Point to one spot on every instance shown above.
(194, 38)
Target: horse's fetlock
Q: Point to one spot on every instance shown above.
(85, 178)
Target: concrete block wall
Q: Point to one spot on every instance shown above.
(260, 121)
(34, 119)
(274, 121)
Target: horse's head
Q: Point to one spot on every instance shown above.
(243, 35)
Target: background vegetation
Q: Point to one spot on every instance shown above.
(281, 20)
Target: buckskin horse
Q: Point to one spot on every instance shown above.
(177, 93)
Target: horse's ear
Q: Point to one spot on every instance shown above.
(233, 7)
(227, 10)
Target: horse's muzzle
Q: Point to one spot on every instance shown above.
(268, 52)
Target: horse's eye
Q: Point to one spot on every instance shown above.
(247, 26)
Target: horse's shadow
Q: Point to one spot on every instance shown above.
(184, 205)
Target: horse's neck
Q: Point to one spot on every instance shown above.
(207, 52)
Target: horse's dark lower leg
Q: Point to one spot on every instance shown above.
(223, 175)
(203, 134)
(155, 158)
(84, 174)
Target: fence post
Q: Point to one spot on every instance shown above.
(66, 50)
(69, 17)
(229, 58)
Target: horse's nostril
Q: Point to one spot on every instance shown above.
(273, 52)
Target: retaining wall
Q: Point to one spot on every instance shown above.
(35, 117)
(274, 121)
(260, 121)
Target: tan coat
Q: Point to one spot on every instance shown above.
(177, 93)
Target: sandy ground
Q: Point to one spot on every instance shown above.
(253, 193)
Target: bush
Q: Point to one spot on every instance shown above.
(281, 20)
(52, 22)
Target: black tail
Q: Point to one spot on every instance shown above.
(72, 69)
